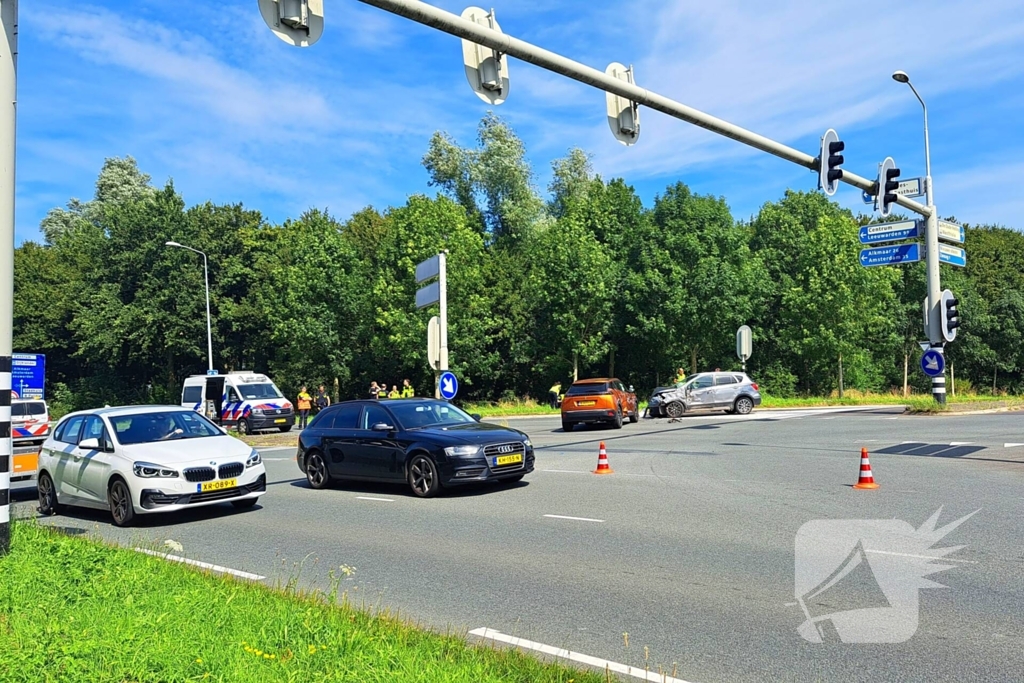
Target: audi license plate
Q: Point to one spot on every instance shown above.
(218, 485)
(585, 403)
(280, 422)
(508, 459)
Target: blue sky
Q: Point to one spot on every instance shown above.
(204, 94)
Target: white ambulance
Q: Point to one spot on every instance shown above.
(249, 401)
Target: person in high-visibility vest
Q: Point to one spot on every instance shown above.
(553, 393)
(305, 401)
(680, 377)
(323, 399)
(394, 392)
(407, 390)
(382, 390)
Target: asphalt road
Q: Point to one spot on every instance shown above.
(688, 547)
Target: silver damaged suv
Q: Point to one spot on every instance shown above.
(732, 392)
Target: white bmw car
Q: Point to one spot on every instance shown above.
(139, 460)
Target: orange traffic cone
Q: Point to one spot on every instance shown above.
(866, 481)
(602, 461)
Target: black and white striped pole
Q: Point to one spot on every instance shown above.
(8, 106)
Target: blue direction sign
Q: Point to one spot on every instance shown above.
(954, 256)
(891, 256)
(889, 232)
(449, 385)
(933, 363)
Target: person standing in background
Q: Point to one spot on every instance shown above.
(394, 392)
(304, 401)
(322, 399)
(382, 390)
(553, 393)
(374, 390)
(407, 390)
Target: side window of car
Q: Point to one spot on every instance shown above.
(374, 415)
(192, 395)
(72, 428)
(703, 382)
(347, 417)
(232, 395)
(725, 379)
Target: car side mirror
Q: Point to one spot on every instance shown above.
(89, 444)
(476, 416)
(382, 427)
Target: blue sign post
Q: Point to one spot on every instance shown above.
(889, 232)
(28, 375)
(891, 256)
(449, 385)
(933, 363)
(954, 256)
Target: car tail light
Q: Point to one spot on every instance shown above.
(756, 388)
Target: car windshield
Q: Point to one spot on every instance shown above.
(163, 426)
(25, 409)
(587, 389)
(258, 391)
(420, 414)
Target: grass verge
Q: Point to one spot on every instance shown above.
(75, 610)
(916, 403)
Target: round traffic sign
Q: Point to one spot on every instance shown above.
(933, 363)
(449, 385)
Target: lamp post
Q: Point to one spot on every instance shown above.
(931, 248)
(206, 275)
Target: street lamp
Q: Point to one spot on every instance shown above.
(206, 274)
(931, 247)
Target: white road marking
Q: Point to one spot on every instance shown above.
(578, 519)
(960, 443)
(566, 471)
(203, 565)
(383, 500)
(1012, 445)
(921, 557)
(597, 662)
(276, 459)
(277, 448)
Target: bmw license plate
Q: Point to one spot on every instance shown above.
(218, 485)
(508, 459)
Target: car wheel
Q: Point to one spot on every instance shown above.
(120, 499)
(744, 405)
(635, 417)
(567, 426)
(285, 429)
(317, 474)
(424, 479)
(675, 409)
(243, 427)
(617, 422)
(244, 504)
(48, 504)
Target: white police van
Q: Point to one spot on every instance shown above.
(249, 401)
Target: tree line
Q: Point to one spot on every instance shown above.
(585, 281)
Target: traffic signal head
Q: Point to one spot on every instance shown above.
(888, 182)
(829, 173)
(949, 315)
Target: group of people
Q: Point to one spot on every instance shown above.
(304, 402)
(380, 391)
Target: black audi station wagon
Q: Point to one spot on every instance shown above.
(426, 443)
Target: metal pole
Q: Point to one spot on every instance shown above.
(434, 17)
(442, 285)
(8, 118)
(209, 326)
(932, 257)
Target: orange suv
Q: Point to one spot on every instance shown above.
(598, 400)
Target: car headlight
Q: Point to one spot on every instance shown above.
(254, 459)
(257, 411)
(148, 470)
(462, 451)
(528, 444)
